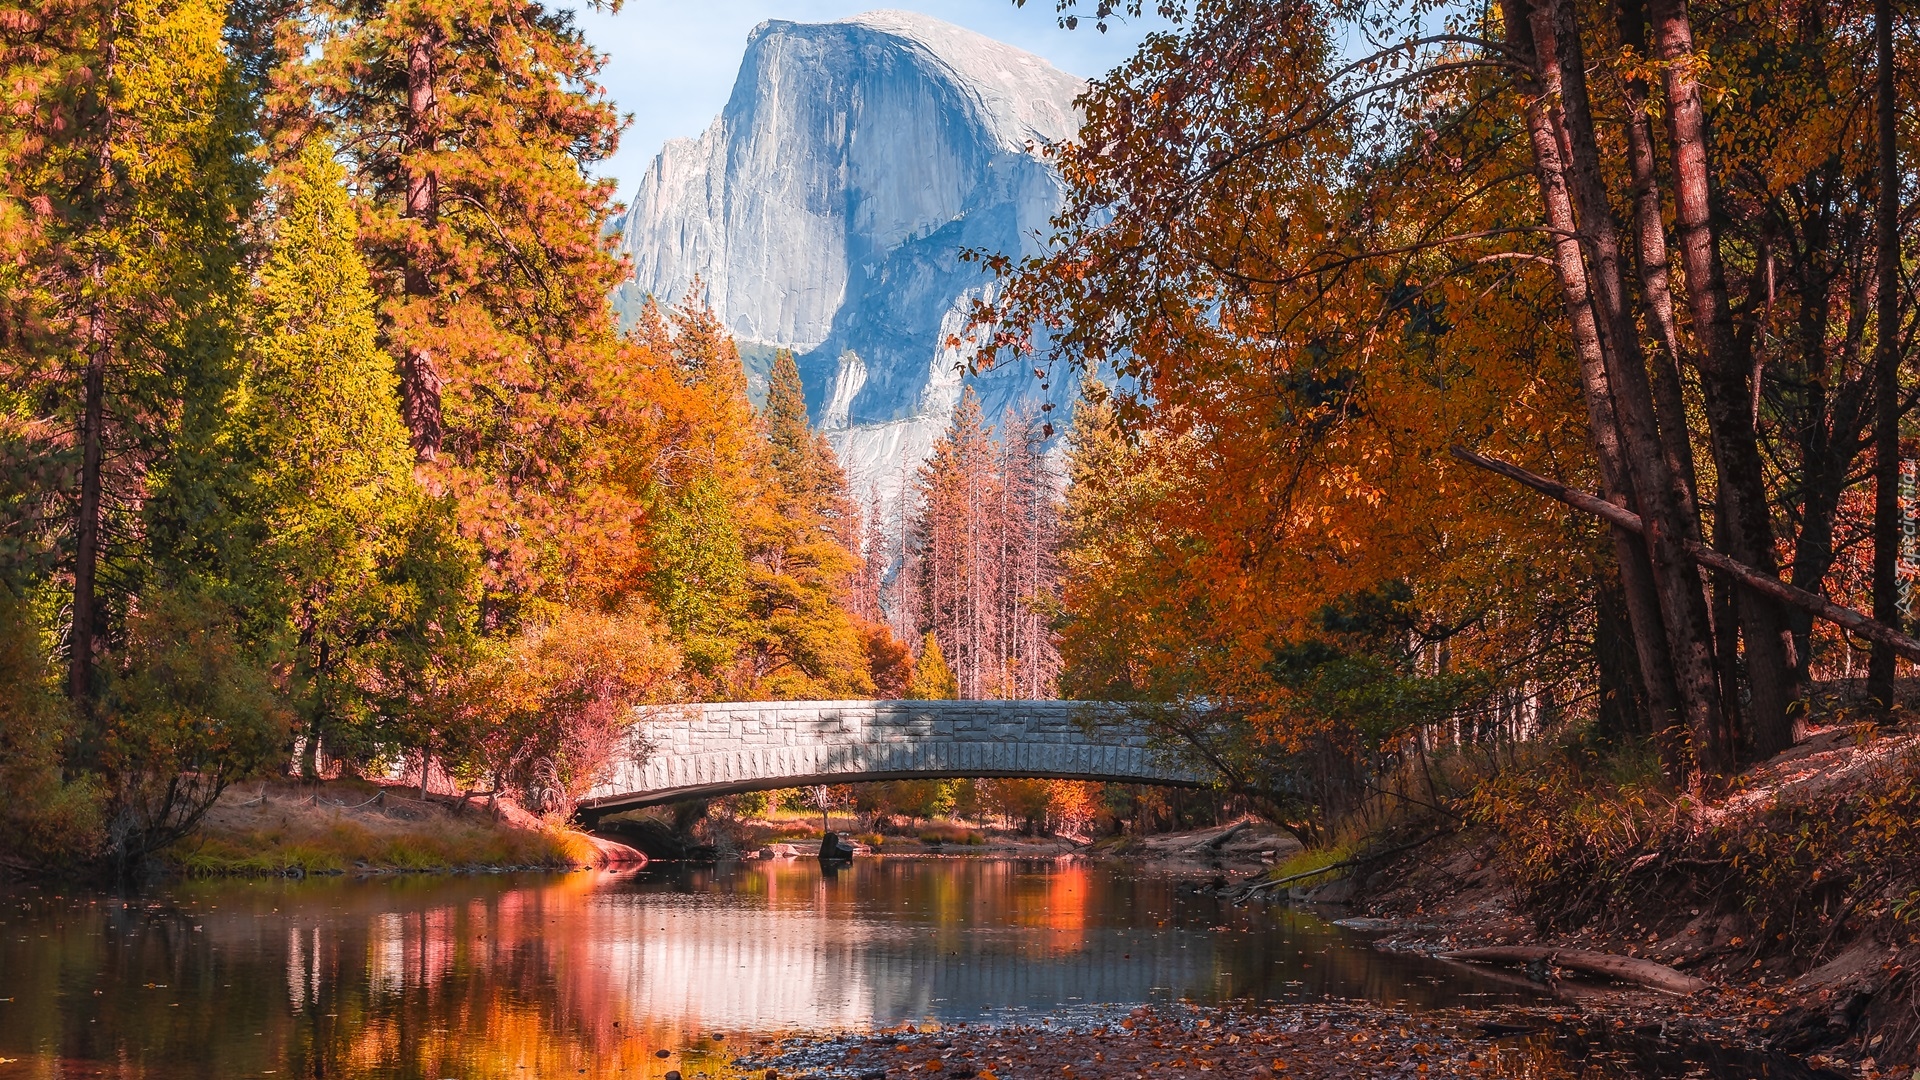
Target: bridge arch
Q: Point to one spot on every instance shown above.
(702, 751)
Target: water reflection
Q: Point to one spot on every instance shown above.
(591, 974)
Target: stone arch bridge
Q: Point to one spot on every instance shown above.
(706, 751)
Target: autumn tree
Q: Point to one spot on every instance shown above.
(743, 524)
(543, 717)
(889, 661)
(1317, 269)
(469, 130)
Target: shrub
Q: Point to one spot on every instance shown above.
(542, 719)
(1308, 861)
(1570, 825)
(950, 834)
(46, 820)
(187, 711)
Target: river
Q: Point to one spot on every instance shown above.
(632, 974)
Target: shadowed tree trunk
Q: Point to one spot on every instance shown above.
(1743, 528)
(420, 377)
(1537, 31)
(1886, 369)
(85, 635)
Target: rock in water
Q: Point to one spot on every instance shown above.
(834, 849)
(826, 208)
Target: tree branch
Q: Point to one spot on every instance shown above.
(1765, 584)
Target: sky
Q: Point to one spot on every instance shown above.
(671, 63)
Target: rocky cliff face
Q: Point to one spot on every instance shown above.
(825, 210)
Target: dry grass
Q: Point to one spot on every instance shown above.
(283, 828)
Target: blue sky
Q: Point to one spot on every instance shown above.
(671, 63)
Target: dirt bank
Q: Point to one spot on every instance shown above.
(1791, 892)
(276, 827)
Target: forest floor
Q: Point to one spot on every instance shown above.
(354, 827)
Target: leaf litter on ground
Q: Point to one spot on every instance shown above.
(1334, 1040)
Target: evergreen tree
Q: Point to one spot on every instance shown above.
(956, 569)
(129, 145)
(128, 148)
(370, 584)
(981, 553)
(932, 679)
(804, 642)
(790, 436)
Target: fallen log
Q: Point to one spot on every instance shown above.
(1220, 841)
(1571, 992)
(1611, 965)
(1766, 584)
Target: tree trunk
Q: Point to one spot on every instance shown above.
(1661, 447)
(1726, 630)
(1622, 712)
(1650, 234)
(85, 635)
(1744, 528)
(1886, 372)
(1609, 965)
(86, 562)
(1676, 582)
(420, 378)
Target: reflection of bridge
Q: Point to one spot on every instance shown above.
(705, 751)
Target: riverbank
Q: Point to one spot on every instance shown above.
(290, 828)
(1319, 1041)
(286, 828)
(1242, 846)
(1791, 892)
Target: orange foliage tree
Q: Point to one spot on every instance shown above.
(1316, 273)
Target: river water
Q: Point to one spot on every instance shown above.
(594, 974)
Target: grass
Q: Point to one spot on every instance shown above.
(1309, 860)
(951, 834)
(247, 837)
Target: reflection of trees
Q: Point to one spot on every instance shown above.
(441, 977)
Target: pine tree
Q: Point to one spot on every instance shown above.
(874, 553)
(932, 679)
(805, 643)
(956, 565)
(129, 146)
(128, 149)
(470, 130)
(789, 436)
(981, 553)
(1029, 577)
(370, 587)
